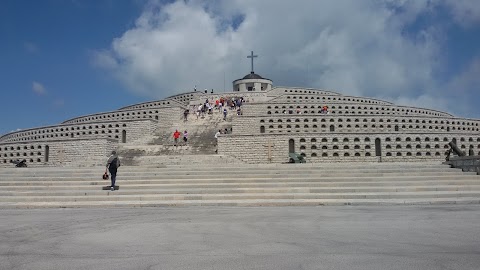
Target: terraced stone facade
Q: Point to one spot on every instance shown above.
(273, 123)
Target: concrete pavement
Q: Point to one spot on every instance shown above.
(376, 237)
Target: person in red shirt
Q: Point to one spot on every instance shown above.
(176, 135)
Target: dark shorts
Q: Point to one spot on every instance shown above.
(184, 139)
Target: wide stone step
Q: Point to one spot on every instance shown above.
(134, 190)
(235, 167)
(243, 203)
(208, 185)
(188, 182)
(209, 167)
(239, 177)
(337, 165)
(246, 196)
(240, 173)
(243, 179)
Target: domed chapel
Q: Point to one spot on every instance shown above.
(321, 125)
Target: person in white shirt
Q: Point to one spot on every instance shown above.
(216, 138)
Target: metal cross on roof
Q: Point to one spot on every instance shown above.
(252, 56)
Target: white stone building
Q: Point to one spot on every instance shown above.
(275, 122)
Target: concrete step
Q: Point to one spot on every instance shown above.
(229, 186)
(316, 165)
(135, 190)
(242, 165)
(240, 185)
(257, 178)
(189, 182)
(114, 196)
(229, 168)
(240, 175)
(178, 177)
(230, 175)
(233, 172)
(242, 203)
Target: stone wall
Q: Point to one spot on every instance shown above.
(60, 147)
(314, 107)
(32, 152)
(132, 114)
(172, 101)
(337, 147)
(275, 149)
(136, 130)
(249, 97)
(79, 152)
(254, 149)
(328, 123)
(280, 90)
(111, 129)
(83, 152)
(171, 116)
(330, 96)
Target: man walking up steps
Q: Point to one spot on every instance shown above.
(112, 165)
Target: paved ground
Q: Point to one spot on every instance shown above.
(398, 237)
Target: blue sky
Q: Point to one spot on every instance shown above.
(49, 42)
(61, 59)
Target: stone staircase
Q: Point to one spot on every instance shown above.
(146, 160)
(159, 147)
(241, 185)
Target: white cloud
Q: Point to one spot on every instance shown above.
(465, 12)
(38, 88)
(353, 47)
(103, 59)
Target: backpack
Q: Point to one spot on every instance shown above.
(115, 163)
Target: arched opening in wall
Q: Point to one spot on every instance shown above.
(124, 136)
(378, 147)
(332, 128)
(454, 140)
(262, 129)
(47, 153)
(291, 146)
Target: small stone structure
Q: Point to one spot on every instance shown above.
(252, 82)
(466, 163)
